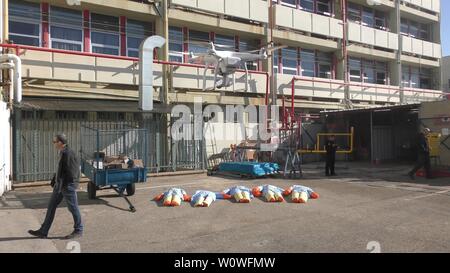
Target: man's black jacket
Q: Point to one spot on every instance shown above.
(422, 144)
(68, 168)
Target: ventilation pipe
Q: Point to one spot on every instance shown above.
(146, 71)
(17, 66)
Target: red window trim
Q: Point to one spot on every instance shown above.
(123, 35)
(185, 44)
(86, 31)
(45, 24)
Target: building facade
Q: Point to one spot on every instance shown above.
(80, 63)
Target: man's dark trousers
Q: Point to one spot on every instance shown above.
(68, 193)
(329, 167)
(423, 160)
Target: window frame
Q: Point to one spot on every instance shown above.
(128, 34)
(67, 26)
(112, 33)
(26, 20)
(177, 54)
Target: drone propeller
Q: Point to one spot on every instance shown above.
(208, 43)
(269, 49)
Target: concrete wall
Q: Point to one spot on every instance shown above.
(5, 149)
(446, 74)
(436, 116)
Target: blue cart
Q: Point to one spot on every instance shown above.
(114, 158)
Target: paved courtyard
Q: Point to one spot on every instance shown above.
(365, 205)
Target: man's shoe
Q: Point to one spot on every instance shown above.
(37, 233)
(74, 235)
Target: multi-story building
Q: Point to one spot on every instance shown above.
(80, 62)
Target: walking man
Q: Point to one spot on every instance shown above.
(423, 155)
(64, 183)
(331, 148)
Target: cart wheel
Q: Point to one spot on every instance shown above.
(92, 190)
(131, 188)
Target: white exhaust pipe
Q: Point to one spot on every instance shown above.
(17, 73)
(146, 71)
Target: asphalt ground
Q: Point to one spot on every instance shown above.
(364, 206)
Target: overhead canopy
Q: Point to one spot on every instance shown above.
(87, 105)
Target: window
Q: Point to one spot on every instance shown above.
(355, 70)
(415, 78)
(381, 68)
(198, 41)
(176, 44)
(380, 20)
(368, 72)
(289, 60)
(24, 23)
(323, 7)
(249, 45)
(354, 13)
(136, 32)
(105, 34)
(227, 41)
(292, 3)
(66, 29)
(425, 32)
(307, 62)
(404, 29)
(324, 61)
(405, 76)
(275, 61)
(368, 17)
(307, 5)
(414, 29)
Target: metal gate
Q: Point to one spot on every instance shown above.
(36, 158)
(383, 145)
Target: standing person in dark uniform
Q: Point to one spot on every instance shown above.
(64, 183)
(330, 147)
(423, 155)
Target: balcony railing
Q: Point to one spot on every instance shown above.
(254, 10)
(432, 5)
(370, 36)
(307, 22)
(420, 47)
(327, 88)
(53, 64)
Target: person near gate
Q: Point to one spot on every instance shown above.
(65, 183)
(330, 147)
(423, 155)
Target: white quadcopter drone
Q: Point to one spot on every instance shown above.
(226, 63)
